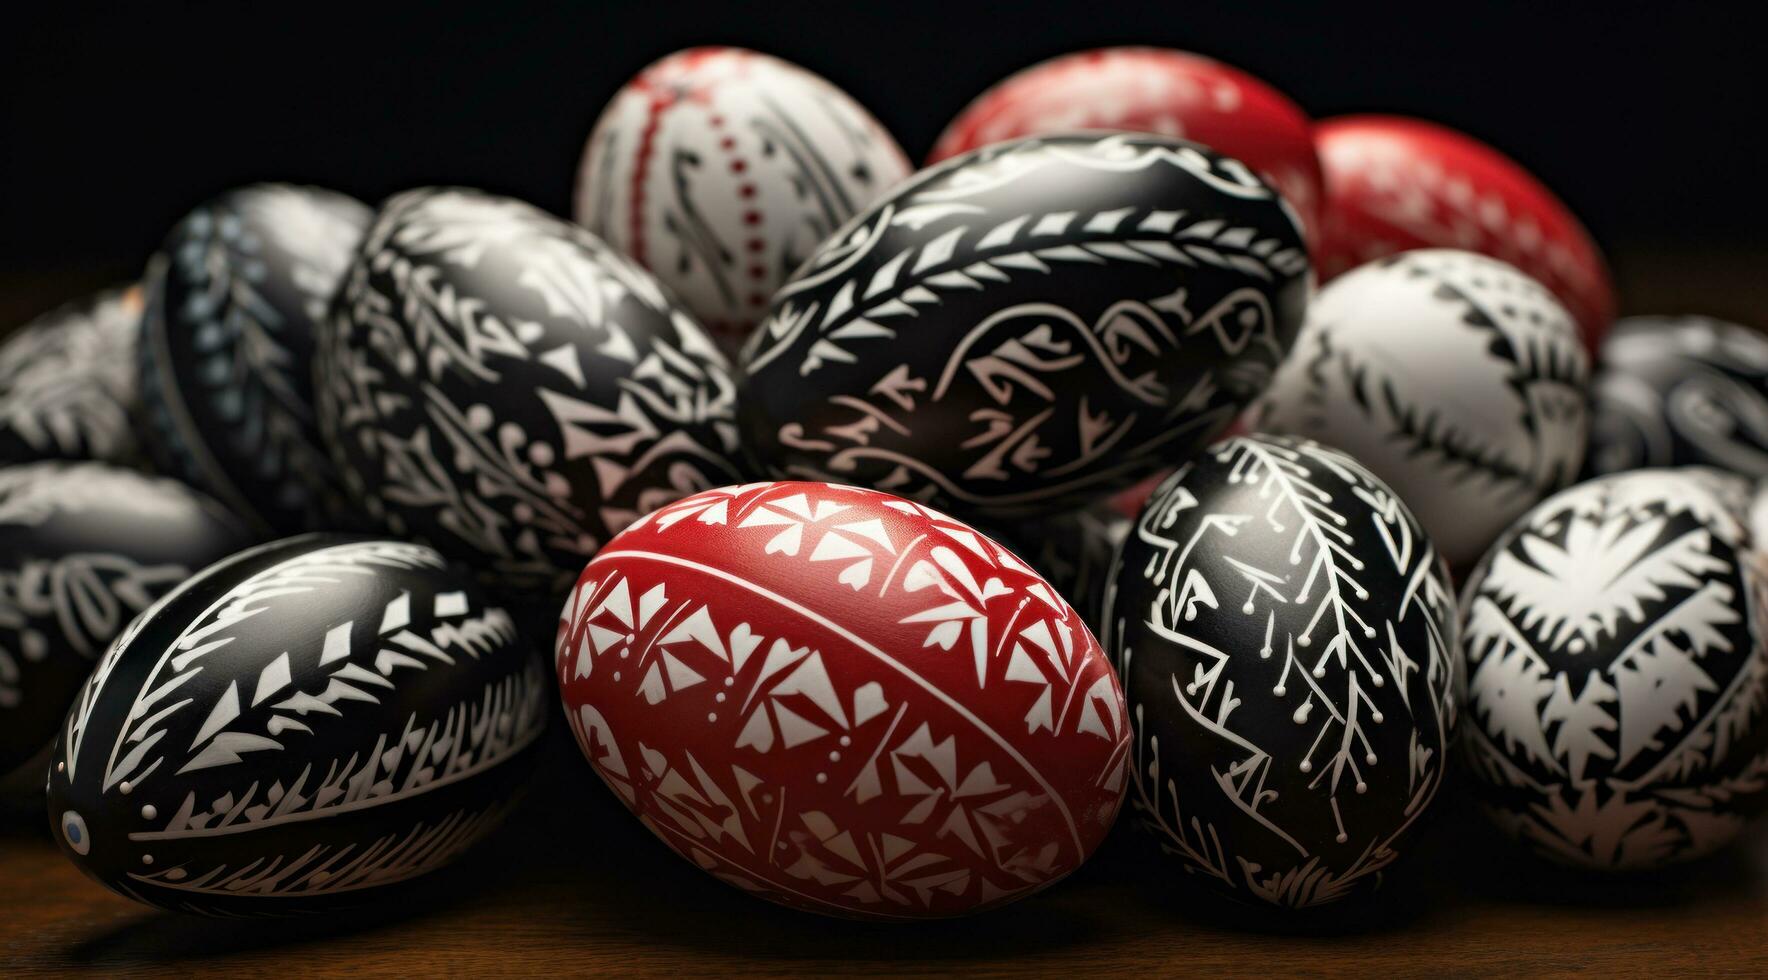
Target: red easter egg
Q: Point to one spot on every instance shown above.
(1394, 183)
(842, 701)
(1153, 90)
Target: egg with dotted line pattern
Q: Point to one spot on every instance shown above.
(720, 170)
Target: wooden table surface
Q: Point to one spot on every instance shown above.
(574, 884)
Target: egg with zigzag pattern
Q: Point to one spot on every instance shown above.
(299, 727)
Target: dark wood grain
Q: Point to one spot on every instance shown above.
(574, 884)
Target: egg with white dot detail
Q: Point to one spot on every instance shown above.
(843, 701)
(1285, 635)
(720, 170)
(297, 728)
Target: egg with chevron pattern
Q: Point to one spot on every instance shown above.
(843, 701)
(1025, 328)
(299, 727)
(1285, 634)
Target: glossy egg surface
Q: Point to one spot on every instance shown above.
(1024, 329)
(842, 701)
(296, 727)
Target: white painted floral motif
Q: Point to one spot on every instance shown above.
(67, 383)
(1615, 673)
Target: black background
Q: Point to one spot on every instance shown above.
(1644, 117)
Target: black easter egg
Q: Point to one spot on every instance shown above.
(1285, 636)
(502, 385)
(1680, 391)
(226, 351)
(1029, 326)
(296, 727)
(84, 547)
(67, 382)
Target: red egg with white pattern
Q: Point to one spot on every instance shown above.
(843, 701)
(1152, 90)
(1394, 183)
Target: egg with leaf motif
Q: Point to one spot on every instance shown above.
(68, 385)
(1023, 329)
(1617, 674)
(1286, 638)
(226, 350)
(84, 548)
(299, 727)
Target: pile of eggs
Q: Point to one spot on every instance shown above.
(882, 519)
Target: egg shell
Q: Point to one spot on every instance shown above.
(1680, 391)
(1286, 635)
(1457, 379)
(226, 350)
(295, 728)
(1616, 673)
(1019, 331)
(500, 384)
(1073, 552)
(842, 701)
(721, 169)
(84, 547)
(1151, 90)
(67, 383)
(1394, 183)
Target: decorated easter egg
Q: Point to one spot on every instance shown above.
(84, 547)
(226, 352)
(721, 169)
(1394, 183)
(67, 383)
(1680, 391)
(502, 385)
(842, 701)
(1616, 671)
(1151, 90)
(1457, 379)
(1285, 634)
(295, 728)
(1024, 329)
